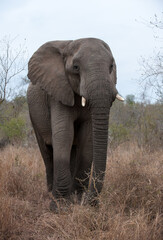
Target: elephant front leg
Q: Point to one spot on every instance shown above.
(62, 137)
(62, 182)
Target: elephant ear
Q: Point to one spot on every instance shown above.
(46, 68)
(114, 73)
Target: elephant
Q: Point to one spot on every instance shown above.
(73, 86)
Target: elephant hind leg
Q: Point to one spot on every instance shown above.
(47, 155)
(48, 160)
(73, 160)
(84, 158)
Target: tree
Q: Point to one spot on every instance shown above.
(12, 63)
(152, 68)
(130, 99)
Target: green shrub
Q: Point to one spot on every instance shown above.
(118, 133)
(14, 129)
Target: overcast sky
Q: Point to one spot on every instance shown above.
(120, 23)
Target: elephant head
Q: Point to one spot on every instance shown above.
(85, 67)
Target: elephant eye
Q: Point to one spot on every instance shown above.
(76, 68)
(111, 68)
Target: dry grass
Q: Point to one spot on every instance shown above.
(131, 204)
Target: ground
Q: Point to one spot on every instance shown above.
(130, 205)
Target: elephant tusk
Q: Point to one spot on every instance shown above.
(83, 101)
(119, 97)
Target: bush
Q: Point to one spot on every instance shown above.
(139, 122)
(14, 129)
(118, 133)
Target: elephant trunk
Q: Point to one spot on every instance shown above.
(100, 140)
(100, 105)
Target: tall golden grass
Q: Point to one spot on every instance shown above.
(130, 205)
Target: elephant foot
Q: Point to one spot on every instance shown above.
(54, 207)
(60, 206)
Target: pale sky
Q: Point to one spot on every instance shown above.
(120, 23)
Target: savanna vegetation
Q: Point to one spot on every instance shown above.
(131, 202)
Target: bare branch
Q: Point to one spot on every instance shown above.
(12, 63)
(156, 22)
(152, 68)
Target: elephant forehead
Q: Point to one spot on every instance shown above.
(90, 44)
(87, 41)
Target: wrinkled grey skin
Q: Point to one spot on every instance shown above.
(71, 137)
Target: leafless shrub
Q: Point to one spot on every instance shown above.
(152, 68)
(12, 63)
